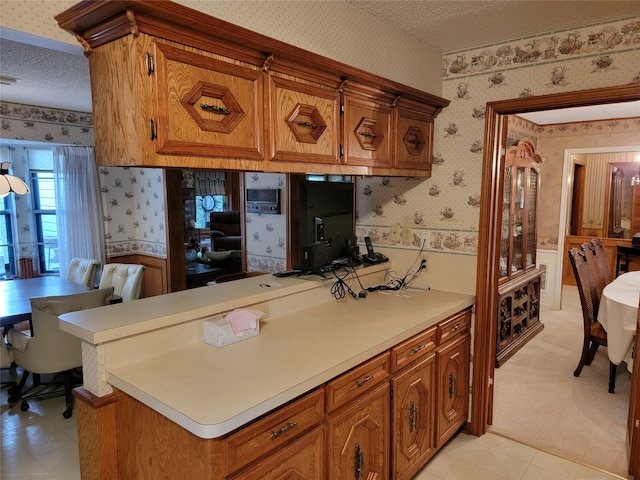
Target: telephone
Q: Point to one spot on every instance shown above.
(371, 256)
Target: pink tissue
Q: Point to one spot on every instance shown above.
(242, 320)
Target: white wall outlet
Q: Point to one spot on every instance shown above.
(424, 263)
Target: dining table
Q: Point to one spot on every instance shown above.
(15, 306)
(618, 313)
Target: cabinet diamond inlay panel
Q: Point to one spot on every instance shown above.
(213, 107)
(306, 123)
(368, 134)
(414, 140)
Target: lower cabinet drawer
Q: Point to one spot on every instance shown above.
(357, 381)
(303, 458)
(273, 431)
(416, 348)
(457, 326)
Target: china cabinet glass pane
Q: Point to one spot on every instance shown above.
(506, 221)
(518, 220)
(531, 218)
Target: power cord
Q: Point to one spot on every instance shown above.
(397, 283)
(340, 288)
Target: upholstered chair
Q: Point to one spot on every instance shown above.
(6, 360)
(83, 271)
(48, 349)
(125, 278)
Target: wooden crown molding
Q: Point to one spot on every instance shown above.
(98, 22)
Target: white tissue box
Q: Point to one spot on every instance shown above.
(218, 332)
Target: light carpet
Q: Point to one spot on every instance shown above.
(539, 402)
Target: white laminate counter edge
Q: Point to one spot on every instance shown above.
(112, 322)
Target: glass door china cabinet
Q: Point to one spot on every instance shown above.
(519, 279)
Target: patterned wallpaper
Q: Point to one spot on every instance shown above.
(266, 234)
(133, 211)
(38, 124)
(401, 213)
(591, 57)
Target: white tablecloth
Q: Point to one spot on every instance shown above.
(618, 313)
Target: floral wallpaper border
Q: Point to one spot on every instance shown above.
(41, 124)
(596, 41)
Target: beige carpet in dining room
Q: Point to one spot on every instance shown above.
(539, 402)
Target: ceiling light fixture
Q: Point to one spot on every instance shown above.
(7, 80)
(10, 183)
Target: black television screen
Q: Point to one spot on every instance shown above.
(326, 222)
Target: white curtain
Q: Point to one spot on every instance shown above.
(79, 206)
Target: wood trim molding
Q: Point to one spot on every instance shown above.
(489, 233)
(97, 435)
(98, 22)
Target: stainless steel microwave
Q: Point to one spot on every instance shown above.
(263, 200)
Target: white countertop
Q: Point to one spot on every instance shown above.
(307, 339)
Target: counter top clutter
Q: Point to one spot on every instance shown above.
(253, 378)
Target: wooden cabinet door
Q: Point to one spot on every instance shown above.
(453, 388)
(412, 418)
(414, 140)
(358, 438)
(207, 106)
(366, 133)
(304, 122)
(301, 460)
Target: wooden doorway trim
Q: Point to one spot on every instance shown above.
(489, 231)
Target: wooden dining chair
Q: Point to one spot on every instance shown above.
(602, 260)
(594, 334)
(600, 280)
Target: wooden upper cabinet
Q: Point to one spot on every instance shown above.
(174, 87)
(207, 106)
(367, 132)
(304, 122)
(414, 140)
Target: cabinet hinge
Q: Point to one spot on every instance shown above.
(341, 151)
(342, 109)
(503, 151)
(153, 131)
(490, 381)
(150, 64)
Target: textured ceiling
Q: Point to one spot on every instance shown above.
(460, 24)
(446, 25)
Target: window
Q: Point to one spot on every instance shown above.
(44, 208)
(7, 252)
(207, 204)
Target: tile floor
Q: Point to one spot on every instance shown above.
(41, 444)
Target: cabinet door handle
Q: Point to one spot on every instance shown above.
(364, 380)
(413, 415)
(453, 388)
(215, 109)
(457, 326)
(417, 349)
(368, 134)
(307, 124)
(358, 462)
(275, 434)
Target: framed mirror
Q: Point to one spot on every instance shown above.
(606, 195)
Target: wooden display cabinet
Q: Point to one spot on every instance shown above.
(519, 279)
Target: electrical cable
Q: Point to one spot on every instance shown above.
(340, 286)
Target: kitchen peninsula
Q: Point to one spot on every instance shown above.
(158, 402)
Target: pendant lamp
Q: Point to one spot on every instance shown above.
(10, 183)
